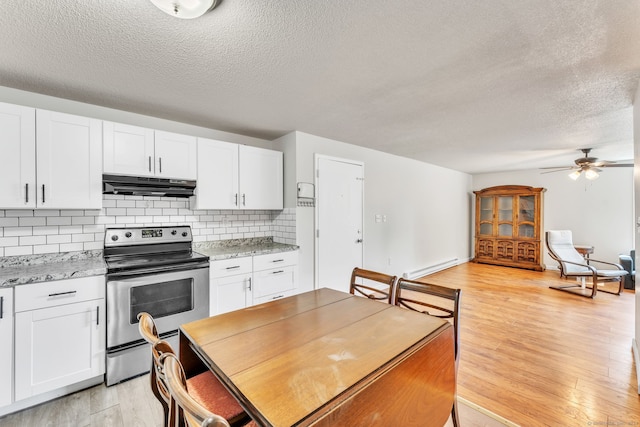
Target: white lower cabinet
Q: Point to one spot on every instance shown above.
(6, 344)
(242, 282)
(230, 285)
(59, 334)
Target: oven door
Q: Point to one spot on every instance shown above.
(172, 297)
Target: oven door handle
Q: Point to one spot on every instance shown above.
(153, 270)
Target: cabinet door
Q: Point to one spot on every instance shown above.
(261, 178)
(69, 161)
(128, 150)
(526, 223)
(6, 343)
(229, 293)
(485, 216)
(217, 175)
(58, 346)
(175, 155)
(18, 154)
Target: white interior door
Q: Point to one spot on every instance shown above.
(339, 218)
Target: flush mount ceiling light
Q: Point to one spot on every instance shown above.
(185, 9)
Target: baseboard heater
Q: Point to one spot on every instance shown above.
(425, 271)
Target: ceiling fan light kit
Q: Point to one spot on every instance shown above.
(185, 9)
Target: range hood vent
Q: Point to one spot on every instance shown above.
(143, 186)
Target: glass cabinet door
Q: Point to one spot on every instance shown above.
(486, 216)
(526, 216)
(505, 216)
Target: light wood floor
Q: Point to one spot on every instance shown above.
(541, 357)
(535, 356)
(131, 404)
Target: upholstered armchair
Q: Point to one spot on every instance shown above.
(628, 262)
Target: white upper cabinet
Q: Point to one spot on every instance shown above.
(49, 160)
(175, 155)
(217, 186)
(69, 161)
(138, 151)
(260, 178)
(232, 176)
(18, 154)
(128, 150)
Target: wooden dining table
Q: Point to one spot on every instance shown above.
(326, 357)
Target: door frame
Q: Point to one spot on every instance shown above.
(316, 177)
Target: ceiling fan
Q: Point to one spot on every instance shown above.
(591, 166)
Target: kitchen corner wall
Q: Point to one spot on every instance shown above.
(26, 232)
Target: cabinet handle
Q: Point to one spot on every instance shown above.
(26, 193)
(243, 200)
(57, 294)
(277, 260)
(234, 267)
(97, 315)
(43, 194)
(236, 203)
(149, 163)
(276, 297)
(1, 307)
(277, 272)
(249, 283)
(160, 163)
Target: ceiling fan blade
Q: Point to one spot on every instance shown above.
(560, 167)
(558, 170)
(617, 165)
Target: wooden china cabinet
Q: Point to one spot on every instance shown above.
(508, 226)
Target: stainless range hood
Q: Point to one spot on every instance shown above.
(144, 186)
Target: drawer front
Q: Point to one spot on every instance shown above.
(273, 297)
(230, 267)
(269, 261)
(274, 281)
(59, 292)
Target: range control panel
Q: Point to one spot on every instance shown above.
(146, 235)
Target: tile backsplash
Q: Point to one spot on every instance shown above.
(26, 232)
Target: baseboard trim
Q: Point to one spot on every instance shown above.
(488, 413)
(636, 358)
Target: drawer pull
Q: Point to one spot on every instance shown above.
(97, 315)
(233, 268)
(277, 260)
(1, 307)
(278, 272)
(276, 297)
(57, 294)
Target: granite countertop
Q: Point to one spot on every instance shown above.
(21, 270)
(236, 248)
(25, 269)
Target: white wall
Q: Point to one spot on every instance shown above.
(428, 208)
(599, 212)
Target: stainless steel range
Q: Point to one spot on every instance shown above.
(150, 269)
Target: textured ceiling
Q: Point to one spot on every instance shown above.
(476, 86)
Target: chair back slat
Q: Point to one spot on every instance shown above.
(433, 300)
(362, 283)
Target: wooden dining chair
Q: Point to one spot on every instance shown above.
(205, 387)
(437, 301)
(361, 283)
